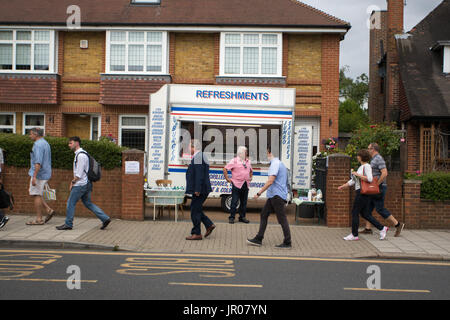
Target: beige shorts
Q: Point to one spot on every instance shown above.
(38, 189)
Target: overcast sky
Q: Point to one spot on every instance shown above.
(355, 47)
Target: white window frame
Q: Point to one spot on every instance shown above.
(133, 127)
(164, 53)
(13, 126)
(99, 126)
(279, 47)
(446, 62)
(52, 50)
(25, 127)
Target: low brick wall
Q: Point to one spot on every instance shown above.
(107, 193)
(402, 200)
(337, 202)
(421, 213)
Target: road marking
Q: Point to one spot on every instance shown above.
(20, 265)
(210, 268)
(44, 280)
(424, 263)
(388, 290)
(216, 285)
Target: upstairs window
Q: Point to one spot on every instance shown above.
(137, 52)
(26, 50)
(251, 54)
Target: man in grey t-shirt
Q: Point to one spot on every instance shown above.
(379, 171)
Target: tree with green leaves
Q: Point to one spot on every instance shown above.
(354, 95)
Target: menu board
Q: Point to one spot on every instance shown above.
(303, 140)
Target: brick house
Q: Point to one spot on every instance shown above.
(94, 78)
(410, 83)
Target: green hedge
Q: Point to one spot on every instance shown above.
(17, 148)
(435, 185)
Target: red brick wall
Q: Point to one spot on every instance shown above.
(424, 214)
(330, 87)
(132, 186)
(338, 202)
(107, 192)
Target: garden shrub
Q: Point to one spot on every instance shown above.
(17, 149)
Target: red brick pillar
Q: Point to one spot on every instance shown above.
(411, 203)
(338, 202)
(133, 185)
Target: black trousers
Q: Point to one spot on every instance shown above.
(197, 215)
(241, 195)
(278, 206)
(361, 207)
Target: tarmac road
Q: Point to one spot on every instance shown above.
(44, 274)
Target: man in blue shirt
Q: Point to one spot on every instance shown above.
(277, 195)
(40, 172)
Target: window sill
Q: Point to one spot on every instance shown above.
(251, 79)
(28, 74)
(134, 76)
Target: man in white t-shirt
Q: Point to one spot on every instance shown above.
(80, 187)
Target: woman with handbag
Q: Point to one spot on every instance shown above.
(365, 186)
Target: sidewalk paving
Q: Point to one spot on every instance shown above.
(169, 237)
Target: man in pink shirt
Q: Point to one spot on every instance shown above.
(241, 175)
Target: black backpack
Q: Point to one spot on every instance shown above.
(94, 173)
(6, 199)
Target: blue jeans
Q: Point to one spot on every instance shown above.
(377, 202)
(83, 193)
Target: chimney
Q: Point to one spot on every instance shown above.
(395, 21)
(396, 11)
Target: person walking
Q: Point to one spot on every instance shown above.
(40, 172)
(81, 188)
(277, 193)
(361, 202)
(380, 171)
(3, 219)
(241, 175)
(199, 186)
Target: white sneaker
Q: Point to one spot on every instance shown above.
(383, 233)
(351, 237)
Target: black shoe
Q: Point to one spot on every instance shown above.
(366, 231)
(284, 246)
(3, 222)
(64, 227)
(105, 224)
(255, 242)
(243, 220)
(231, 220)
